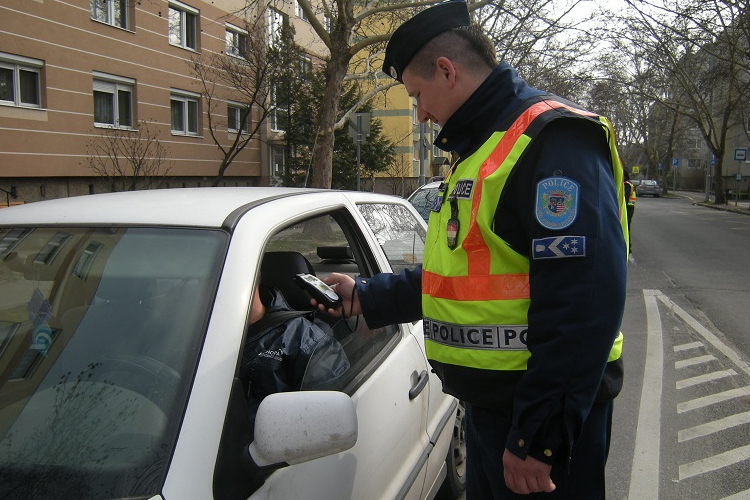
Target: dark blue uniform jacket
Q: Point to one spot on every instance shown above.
(576, 302)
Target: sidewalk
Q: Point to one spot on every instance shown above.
(742, 207)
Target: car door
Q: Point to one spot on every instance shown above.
(401, 234)
(386, 379)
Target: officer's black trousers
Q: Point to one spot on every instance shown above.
(486, 434)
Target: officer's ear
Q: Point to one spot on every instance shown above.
(445, 69)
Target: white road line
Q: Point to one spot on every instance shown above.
(713, 399)
(708, 377)
(706, 334)
(644, 476)
(716, 462)
(712, 427)
(699, 360)
(685, 347)
(742, 495)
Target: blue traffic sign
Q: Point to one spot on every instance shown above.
(675, 162)
(740, 154)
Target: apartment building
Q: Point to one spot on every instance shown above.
(72, 72)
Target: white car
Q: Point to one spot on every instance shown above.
(122, 323)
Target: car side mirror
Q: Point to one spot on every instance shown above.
(296, 427)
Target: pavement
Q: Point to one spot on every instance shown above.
(699, 198)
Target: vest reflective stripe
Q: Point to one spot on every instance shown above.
(496, 337)
(488, 287)
(473, 291)
(474, 244)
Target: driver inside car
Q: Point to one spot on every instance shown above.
(287, 350)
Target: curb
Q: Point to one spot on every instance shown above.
(723, 208)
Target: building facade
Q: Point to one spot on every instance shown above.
(76, 76)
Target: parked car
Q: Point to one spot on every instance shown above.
(122, 323)
(424, 197)
(648, 187)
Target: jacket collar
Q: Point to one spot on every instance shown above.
(485, 111)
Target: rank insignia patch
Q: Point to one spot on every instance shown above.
(559, 247)
(556, 202)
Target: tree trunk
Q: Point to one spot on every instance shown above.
(336, 70)
(719, 195)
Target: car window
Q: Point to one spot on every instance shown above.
(399, 233)
(330, 243)
(99, 337)
(423, 200)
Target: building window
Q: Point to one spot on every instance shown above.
(414, 114)
(113, 12)
(277, 161)
(275, 25)
(237, 118)
(236, 41)
(113, 101)
(19, 81)
(299, 12)
(183, 25)
(279, 113)
(305, 66)
(10, 239)
(47, 254)
(327, 23)
(184, 113)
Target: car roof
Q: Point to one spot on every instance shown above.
(192, 207)
(429, 185)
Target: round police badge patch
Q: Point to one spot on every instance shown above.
(556, 202)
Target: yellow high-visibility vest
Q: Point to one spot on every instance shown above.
(475, 295)
(631, 198)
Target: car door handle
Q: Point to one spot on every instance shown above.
(420, 384)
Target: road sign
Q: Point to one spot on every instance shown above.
(675, 162)
(738, 177)
(740, 154)
(635, 169)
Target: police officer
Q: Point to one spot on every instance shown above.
(522, 286)
(630, 196)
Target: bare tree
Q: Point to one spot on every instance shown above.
(355, 33)
(243, 78)
(400, 177)
(129, 159)
(696, 62)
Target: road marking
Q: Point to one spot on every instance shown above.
(742, 495)
(685, 347)
(644, 476)
(716, 462)
(708, 377)
(713, 399)
(699, 360)
(712, 427)
(706, 334)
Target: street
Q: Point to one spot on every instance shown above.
(682, 422)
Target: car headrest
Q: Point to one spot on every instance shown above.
(278, 270)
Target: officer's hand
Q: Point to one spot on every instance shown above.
(344, 286)
(526, 476)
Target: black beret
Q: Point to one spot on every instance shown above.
(420, 29)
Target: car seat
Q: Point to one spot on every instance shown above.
(278, 269)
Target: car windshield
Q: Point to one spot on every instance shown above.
(100, 330)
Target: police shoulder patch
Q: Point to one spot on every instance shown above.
(556, 204)
(559, 247)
